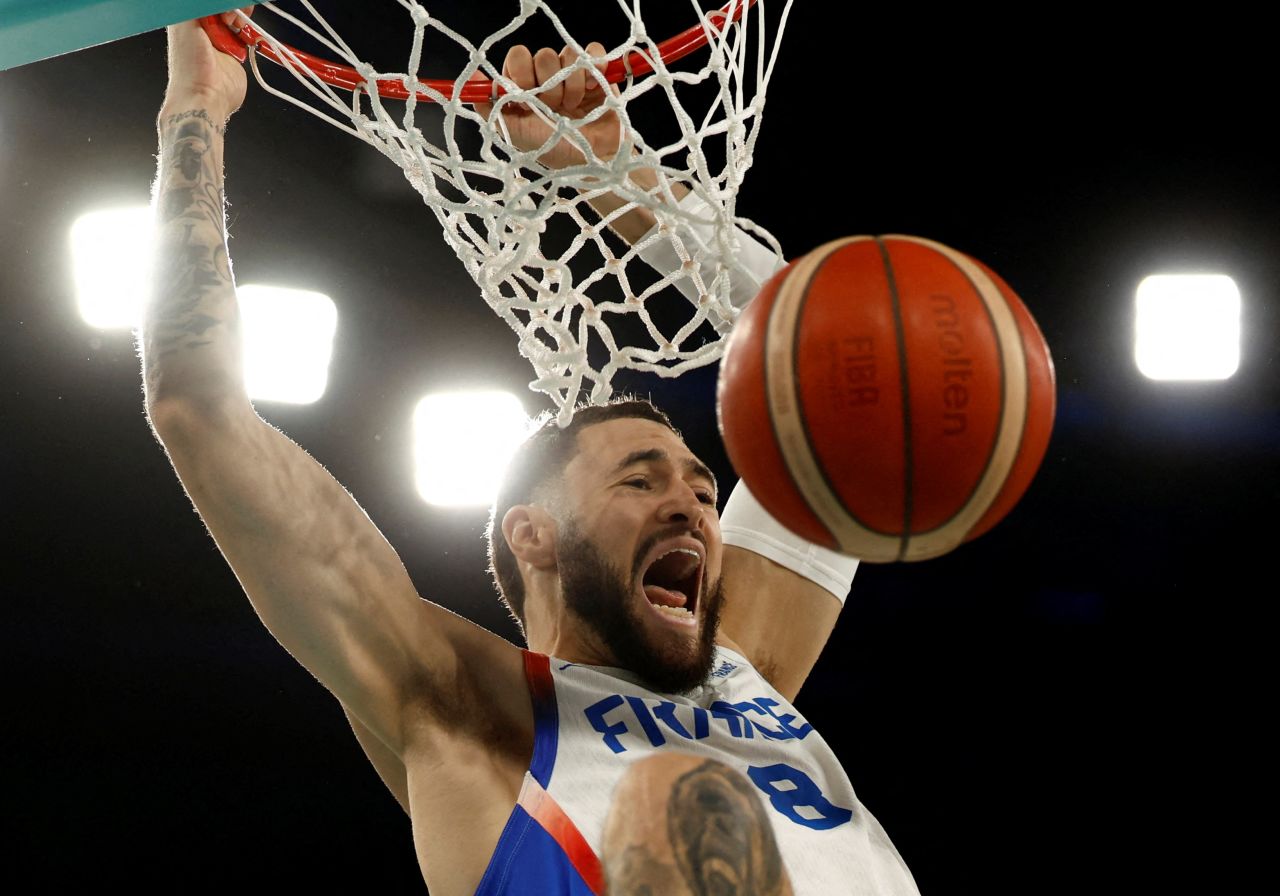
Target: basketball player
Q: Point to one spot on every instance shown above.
(645, 742)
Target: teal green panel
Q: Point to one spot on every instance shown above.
(38, 29)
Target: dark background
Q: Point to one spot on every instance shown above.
(1071, 703)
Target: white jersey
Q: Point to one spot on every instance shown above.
(592, 722)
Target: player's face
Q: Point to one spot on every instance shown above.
(639, 558)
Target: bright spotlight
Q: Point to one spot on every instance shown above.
(111, 258)
(288, 341)
(1187, 327)
(287, 333)
(462, 442)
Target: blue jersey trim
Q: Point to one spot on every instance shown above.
(527, 858)
(529, 861)
(546, 716)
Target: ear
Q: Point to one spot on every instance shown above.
(531, 533)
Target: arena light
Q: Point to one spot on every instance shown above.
(288, 333)
(1187, 327)
(111, 262)
(462, 442)
(288, 341)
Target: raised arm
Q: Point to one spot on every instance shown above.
(319, 574)
(787, 593)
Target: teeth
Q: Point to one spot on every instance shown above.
(689, 551)
(673, 611)
(676, 567)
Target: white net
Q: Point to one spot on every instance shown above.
(537, 232)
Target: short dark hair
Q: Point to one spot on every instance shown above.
(541, 457)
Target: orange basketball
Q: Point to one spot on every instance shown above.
(886, 397)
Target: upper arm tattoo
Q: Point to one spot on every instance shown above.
(721, 838)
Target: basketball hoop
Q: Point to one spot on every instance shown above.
(570, 289)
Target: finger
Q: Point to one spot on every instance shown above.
(575, 85)
(546, 64)
(518, 67)
(595, 50)
(231, 18)
(181, 37)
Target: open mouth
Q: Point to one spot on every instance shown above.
(672, 581)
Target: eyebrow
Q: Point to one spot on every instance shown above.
(652, 455)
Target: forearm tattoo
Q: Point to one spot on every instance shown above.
(193, 113)
(193, 264)
(721, 838)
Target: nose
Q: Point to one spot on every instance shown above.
(682, 505)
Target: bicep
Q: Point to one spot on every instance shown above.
(318, 572)
(780, 619)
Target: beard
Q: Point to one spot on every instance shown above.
(606, 601)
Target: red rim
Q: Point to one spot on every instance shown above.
(481, 90)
